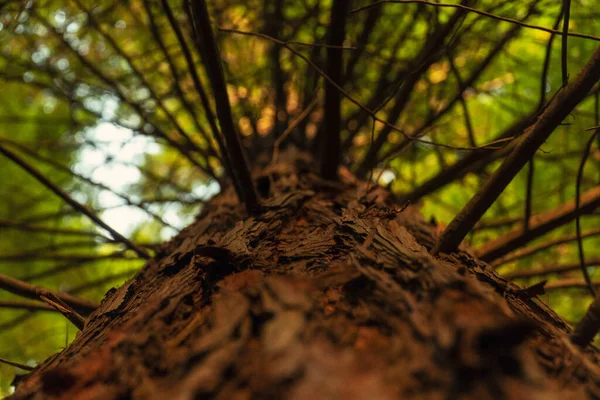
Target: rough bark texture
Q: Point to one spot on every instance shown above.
(330, 293)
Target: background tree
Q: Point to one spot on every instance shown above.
(119, 121)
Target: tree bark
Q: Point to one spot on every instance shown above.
(331, 293)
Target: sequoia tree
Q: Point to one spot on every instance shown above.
(330, 129)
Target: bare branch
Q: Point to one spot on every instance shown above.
(569, 284)
(564, 49)
(586, 154)
(29, 291)
(16, 364)
(529, 195)
(291, 128)
(212, 60)
(22, 226)
(111, 83)
(62, 308)
(72, 202)
(65, 267)
(176, 75)
(367, 30)
(64, 168)
(587, 328)
(25, 305)
(480, 12)
(469, 82)
(119, 50)
(491, 145)
(331, 148)
(539, 225)
(554, 269)
(528, 251)
(558, 108)
(428, 54)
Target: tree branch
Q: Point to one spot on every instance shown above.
(565, 36)
(480, 12)
(492, 145)
(29, 291)
(177, 78)
(25, 305)
(558, 109)
(586, 154)
(16, 364)
(72, 202)
(331, 148)
(554, 269)
(539, 225)
(469, 82)
(429, 54)
(191, 65)
(528, 251)
(212, 61)
(62, 307)
(587, 328)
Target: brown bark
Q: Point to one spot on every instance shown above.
(328, 294)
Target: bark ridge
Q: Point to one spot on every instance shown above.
(330, 293)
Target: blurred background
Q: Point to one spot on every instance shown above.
(109, 101)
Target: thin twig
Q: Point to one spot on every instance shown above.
(469, 82)
(191, 65)
(326, 46)
(212, 61)
(110, 83)
(177, 78)
(480, 12)
(429, 53)
(291, 127)
(29, 291)
(331, 148)
(25, 305)
(544, 80)
(491, 145)
(461, 99)
(540, 224)
(62, 308)
(367, 30)
(66, 169)
(587, 328)
(528, 251)
(101, 281)
(558, 109)
(16, 364)
(113, 43)
(546, 66)
(565, 37)
(549, 270)
(586, 154)
(529, 194)
(72, 202)
(23, 226)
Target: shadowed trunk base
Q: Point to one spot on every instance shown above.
(331, 293)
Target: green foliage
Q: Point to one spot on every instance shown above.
(100, 97)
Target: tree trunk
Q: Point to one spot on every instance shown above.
(330, 293)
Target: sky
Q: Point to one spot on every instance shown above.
(125, 149)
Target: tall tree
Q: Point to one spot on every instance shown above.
(309, 272)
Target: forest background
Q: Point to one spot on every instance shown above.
(99, 97)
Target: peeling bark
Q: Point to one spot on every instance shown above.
(330, 293)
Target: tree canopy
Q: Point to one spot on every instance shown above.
(110, 114)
